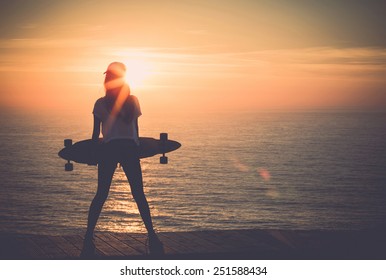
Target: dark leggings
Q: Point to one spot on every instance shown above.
(124, 152)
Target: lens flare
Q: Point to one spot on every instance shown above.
(264, 173)
(239, 165)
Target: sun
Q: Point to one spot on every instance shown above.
(137, 72)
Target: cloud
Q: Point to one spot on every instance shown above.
(207, 59)
(197, 32)
(327, 61)
(46, 43)
(48, 54)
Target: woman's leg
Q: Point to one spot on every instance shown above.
(133, 171)
(105, 175)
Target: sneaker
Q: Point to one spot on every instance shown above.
(155, 245)
(88, 250)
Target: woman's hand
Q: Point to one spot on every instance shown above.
(96, 129)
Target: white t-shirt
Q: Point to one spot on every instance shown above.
(117, 128)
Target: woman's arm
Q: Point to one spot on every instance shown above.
(97, 128)
(137, 126)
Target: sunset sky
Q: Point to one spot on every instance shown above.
(195, 55)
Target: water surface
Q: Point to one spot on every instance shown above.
(309, 170)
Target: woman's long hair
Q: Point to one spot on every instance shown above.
(118, 100)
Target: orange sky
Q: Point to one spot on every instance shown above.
(194, 55)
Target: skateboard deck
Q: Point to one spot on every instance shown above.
(87, 151)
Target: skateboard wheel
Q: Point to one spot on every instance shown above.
(163, 137)
(67, 142)
(163, 160)
(68, 166)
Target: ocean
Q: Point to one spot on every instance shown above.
(278, 170)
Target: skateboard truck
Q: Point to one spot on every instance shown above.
(68, 166)
(163, 140)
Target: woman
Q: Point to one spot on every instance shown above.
(118, 113)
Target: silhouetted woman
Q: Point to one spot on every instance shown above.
(118, 113)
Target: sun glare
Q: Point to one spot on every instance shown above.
(137, 72)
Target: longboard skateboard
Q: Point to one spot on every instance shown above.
(86, 151)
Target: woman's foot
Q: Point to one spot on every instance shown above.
(88, 250)
(155, 245)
